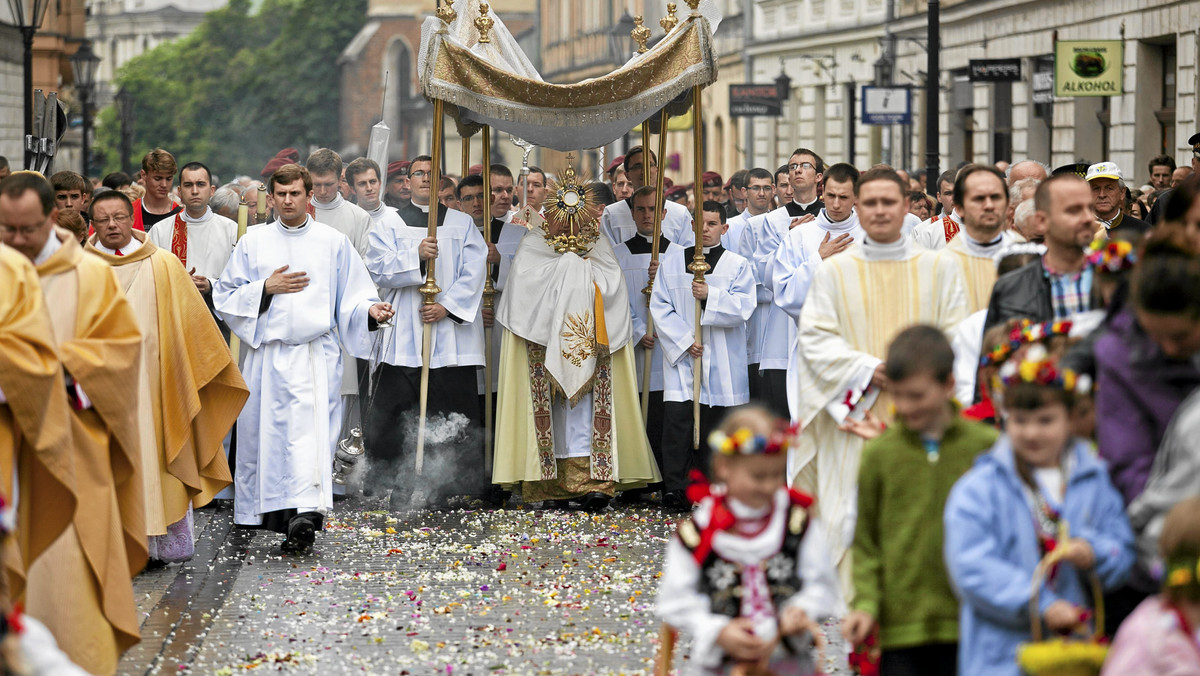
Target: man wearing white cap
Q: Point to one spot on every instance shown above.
(1108, 197)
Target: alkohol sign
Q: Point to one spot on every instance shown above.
(1088, 68)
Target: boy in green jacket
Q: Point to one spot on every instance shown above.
(900, 583)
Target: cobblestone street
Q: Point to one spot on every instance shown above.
(457, 592)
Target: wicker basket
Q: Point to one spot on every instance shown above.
(1058, 656)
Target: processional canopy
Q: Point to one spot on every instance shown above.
(494, 83)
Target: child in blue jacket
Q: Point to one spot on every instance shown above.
(1008, 511)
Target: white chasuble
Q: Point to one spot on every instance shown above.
(290, 424)
(859, 301)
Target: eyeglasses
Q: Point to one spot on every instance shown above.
(120, 219)
(802, 165)
(420, 174)
(761, 188)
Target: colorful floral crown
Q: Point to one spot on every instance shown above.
(745, 442)
(1023, 334)
(1037, 367)
(1112, 256)
(1182, 572)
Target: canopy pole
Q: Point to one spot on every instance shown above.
(698, 266)
(466, 157)
(658, 216)
(430, 288)
(489, 301)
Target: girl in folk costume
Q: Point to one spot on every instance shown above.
(1160, 638)
(1039, 489)
(748, 575)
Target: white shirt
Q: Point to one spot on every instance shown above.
(52, 245)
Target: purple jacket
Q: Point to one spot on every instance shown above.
(1137, 391)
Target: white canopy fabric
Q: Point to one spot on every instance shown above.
(494, 83)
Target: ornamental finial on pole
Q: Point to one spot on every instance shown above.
(484, 23)
(446, 12)
(669, 21)
(640, 35)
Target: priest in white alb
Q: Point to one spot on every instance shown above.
(201, 239)
(293, 288)
(452, 465)
(568, 420)
(618, 223)
(327, 205)
(857, 303)
(981, 197)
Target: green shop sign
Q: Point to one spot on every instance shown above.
(1088, 68)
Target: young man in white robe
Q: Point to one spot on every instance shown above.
(805, 170)
(857, 303)
(760, 188)
(362, 175)
(397, 260)
(727, 300)
(293, 289)
(618, 222)
(982, 198)
(327, 205)
(508, 227)
(199, 238)
(790, 272)
(634, 257)
(936, 232)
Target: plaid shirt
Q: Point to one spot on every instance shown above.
(1070, 293)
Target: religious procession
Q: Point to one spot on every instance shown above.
(368, 412)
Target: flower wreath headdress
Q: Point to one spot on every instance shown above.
(1112, 256)
(744, 442)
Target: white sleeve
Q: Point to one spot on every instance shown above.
(681, 605)
(821, 596)
(42, 654)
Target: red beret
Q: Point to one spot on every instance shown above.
(398, 168)
(676, 191)
(285, 156)
(475, 170)
(711, 179)
(618, 161)
(667, 183)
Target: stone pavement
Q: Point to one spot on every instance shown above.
(453, 593)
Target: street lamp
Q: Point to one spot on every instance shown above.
(28, 17)
(783, 86)
(83, 64)
(618, 40)
(125, 113)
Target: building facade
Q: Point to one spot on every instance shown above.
(385, 52)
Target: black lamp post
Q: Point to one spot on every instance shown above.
(932, 79)
(125, 113)
(83, 63)
(619, 48)
(28, 17)
(783, 86)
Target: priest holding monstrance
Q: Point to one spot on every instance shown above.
(568, 424)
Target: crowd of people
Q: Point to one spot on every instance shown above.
(918, 412)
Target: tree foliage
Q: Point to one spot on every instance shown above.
(240, 87)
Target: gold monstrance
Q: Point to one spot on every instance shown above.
(573, 210)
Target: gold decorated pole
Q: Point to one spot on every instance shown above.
(658, 216)
(489, 300)
(699, 266)
(430, 288)
(466, 157)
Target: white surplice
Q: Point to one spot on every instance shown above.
(395, 266)
(507, 242)
(859, 300)
(349, 219)
(637, 272)
(291, 423)
(618, 224)
(931, 233)
(763, 298)
(732, 239)
(724, 378)
(210, 241)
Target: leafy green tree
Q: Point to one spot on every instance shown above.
(240, 87)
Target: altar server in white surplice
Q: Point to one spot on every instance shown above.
(859, 300)
(201, 239)
(617, 222)
(397, 260)
(292, 288)
(634, 257)
(327, 205)
(805, 170)
(790, 272)
(727, 300)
